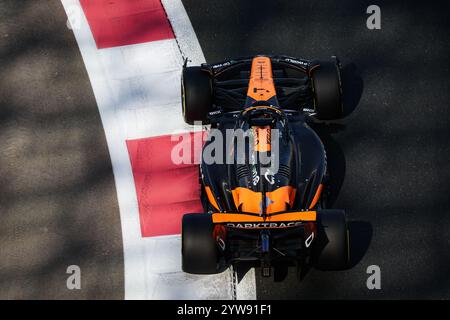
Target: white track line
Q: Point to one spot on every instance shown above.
(137, 92)
(184, 32)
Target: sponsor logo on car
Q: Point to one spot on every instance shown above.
(220, 65)
(302, 63)
(257, 225)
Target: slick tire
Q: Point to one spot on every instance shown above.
(327, 91)
(196, 94)
(198, 248)
(331, 248)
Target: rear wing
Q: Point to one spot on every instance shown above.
(255, 221)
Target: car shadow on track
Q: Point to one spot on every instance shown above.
(360, 232)
(360, 237)
(352, 87)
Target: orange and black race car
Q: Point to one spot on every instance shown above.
(263, 167)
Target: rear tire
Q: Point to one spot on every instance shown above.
(327, 91)
(196, 94)
(198, 248)
(331, 249)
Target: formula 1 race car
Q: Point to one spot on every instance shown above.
(264, 202)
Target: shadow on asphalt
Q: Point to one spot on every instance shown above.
(360, 234)
(58, 204)
(352, 87)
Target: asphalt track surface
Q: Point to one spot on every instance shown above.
(389, 157)
(58, 203)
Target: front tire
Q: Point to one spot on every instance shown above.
(196, 94)
(198, 248)
(327, 90)
(331, 249)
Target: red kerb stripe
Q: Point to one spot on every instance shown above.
(123, 22)
(165, 190)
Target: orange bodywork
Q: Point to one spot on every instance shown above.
(278, 200)
(261, 139)
(306, 216)
(316, 196)
(247, 200)
(211, 198)
(281, 199)
(261, 86)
